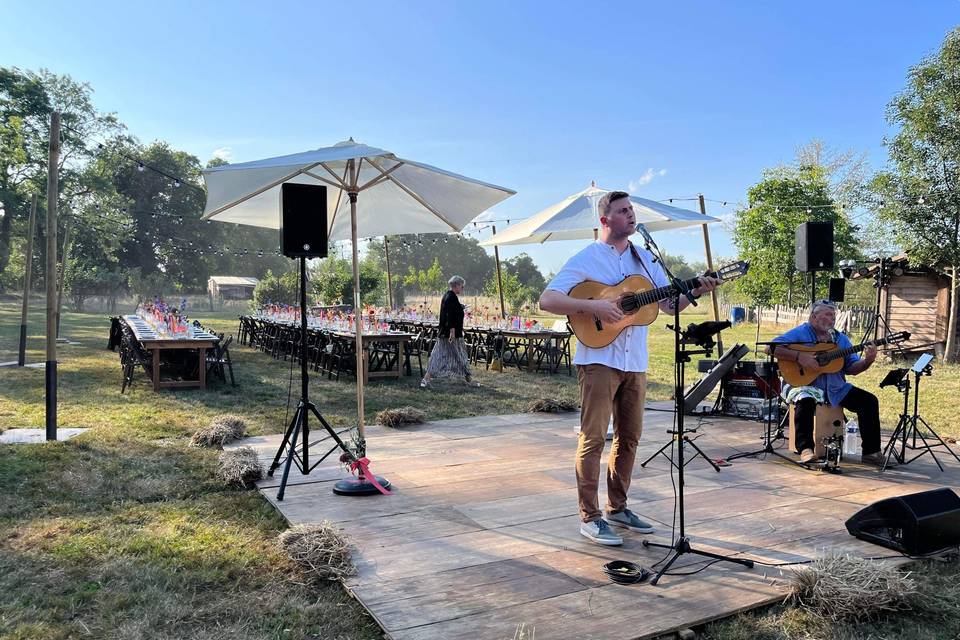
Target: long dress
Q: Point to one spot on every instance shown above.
(448, 360)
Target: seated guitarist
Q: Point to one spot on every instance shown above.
(612, 379)
(830, 388)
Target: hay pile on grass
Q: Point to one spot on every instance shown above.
(240, 467)
(551, 405)
(221, 430)
(321, 550)
(400, 417)
(841, 587)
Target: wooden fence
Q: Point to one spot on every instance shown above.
(848, 318)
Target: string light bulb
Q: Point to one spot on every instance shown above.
(140, 166)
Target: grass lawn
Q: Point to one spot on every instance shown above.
(124, 533)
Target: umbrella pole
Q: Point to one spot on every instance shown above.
(357, 321)
(366, 483)
(709, 256)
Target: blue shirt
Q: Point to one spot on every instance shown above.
(833, 385)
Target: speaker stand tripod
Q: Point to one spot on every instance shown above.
(299, 427)
(909, 427)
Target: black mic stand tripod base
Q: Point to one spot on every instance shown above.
(681, 545)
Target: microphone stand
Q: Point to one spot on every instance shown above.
(681, 545)
(768, 436)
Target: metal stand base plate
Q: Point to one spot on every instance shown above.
(357, 487)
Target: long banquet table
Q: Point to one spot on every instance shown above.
(152, 341)
(376, 363)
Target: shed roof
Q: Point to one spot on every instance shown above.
(234, 280)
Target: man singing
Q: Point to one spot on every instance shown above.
(613, 378)
(830, 388)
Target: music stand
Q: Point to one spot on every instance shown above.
(908, 429)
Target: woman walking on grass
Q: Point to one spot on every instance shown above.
(448, 360)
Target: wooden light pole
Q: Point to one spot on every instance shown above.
(496, 256)
(709, 255)
(50, 273)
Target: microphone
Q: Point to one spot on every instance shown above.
(642, 230)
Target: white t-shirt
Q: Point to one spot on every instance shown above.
(601, 263)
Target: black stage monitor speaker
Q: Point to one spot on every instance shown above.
(814, 248)
(837, 286)
(303, 220)
(915, 524)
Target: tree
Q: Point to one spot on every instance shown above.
(514, 293)
(332, 281)
(526, 271)
(764, 231)
(456, 254)
(919, 194)
(282, 289)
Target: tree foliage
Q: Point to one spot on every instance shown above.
(919, 193)
(456, 255)
(764, 232)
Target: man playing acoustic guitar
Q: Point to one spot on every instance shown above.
(612, 378)
(830, 388)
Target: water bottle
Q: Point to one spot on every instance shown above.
(851, 439)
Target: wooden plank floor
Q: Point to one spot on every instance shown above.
(481, 534)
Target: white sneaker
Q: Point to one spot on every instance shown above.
(600, 532)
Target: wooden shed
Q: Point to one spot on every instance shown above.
(231, 287)
(916, 299)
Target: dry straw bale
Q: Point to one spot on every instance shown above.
(551, 405)
(321, 550)
(841, 587)
(400, 417)
(221, 430)
(240, 467)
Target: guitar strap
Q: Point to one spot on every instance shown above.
(643, 264)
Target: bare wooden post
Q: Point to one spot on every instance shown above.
(50, 273)
(706, 250)
(63, 274)
(386, 255)
(496, 255)
(22, 356)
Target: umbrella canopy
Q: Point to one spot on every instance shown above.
(576, 218)
(371, 192)
(399, 196)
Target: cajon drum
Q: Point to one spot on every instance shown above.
(826, 421)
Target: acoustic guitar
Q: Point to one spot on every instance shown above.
(637, 298)
(829, 358)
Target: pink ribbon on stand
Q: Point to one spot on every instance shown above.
(364, 465)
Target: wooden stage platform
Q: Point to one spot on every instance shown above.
(482, 535)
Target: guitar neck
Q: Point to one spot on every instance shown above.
(843, 353)
(653, 296)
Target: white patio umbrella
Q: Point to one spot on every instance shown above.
(576, 218)
(370, 192)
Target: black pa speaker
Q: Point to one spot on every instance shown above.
(814, 247)
(837, 286)
(915, 524)
(303, 220)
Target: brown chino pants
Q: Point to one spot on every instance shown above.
(603, 391)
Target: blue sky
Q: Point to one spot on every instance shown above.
(539, 97)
